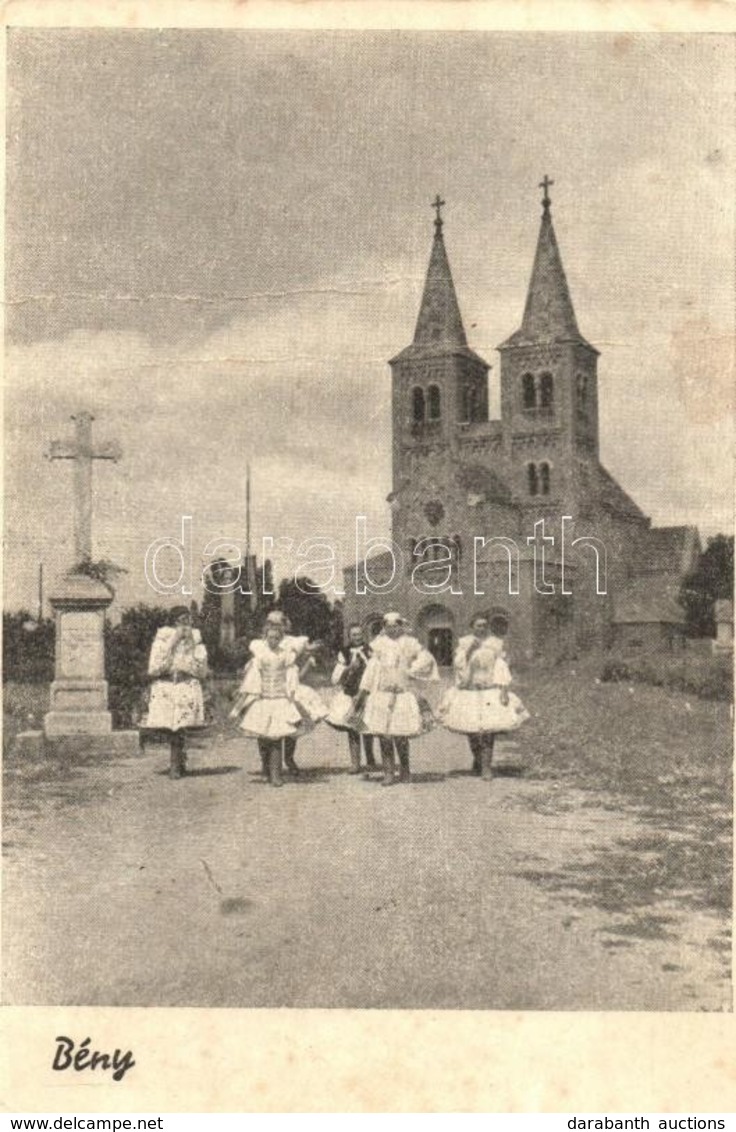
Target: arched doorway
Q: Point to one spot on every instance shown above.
(437, 626)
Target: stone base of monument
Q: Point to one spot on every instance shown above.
(79, 724)
(57, 724)
(114, 745)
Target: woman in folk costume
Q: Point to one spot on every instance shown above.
(480, 704)
(178, 664)
(304, 648)
(274, 707)
(347, 675)
(392, 708)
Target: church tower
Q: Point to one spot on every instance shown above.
(549, 390)
(439, 384)
(469, 491)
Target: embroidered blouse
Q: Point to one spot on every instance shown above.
(186, 658)
(272, 673)
(395, 662)
(481, 663)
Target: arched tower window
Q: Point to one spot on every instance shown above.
(532, 480)
(581, 386)
(474, 403)
(417, 404)
(465, 404)
(544, 479)
(528, 391)
(434, 408)
(546, 391)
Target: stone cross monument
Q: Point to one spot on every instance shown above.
(79, 718)
(82, 452)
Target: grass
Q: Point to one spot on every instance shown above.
(24, 706)
(646, 750)
(697, 674)
(635, 738)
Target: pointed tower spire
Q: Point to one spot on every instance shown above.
(440, 321)
(549, 315)
(439, 329)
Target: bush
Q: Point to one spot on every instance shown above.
(127, 648)
(709, 677)
(229, 659)
(28, 656)
(24, 706)
(28, 649)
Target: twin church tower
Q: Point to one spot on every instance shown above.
(459, 476)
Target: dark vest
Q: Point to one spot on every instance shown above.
(351, 677)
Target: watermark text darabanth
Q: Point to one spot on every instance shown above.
(432, 564)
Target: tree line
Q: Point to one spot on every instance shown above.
(28, 644)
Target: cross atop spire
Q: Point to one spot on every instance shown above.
(546, 184)
(439, 319)
(438, 204)
(549, 315)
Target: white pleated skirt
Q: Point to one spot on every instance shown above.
(281, 717)
(397, 714)
(341, 714)
(174, 706)
(470, 710)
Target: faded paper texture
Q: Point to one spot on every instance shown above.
(307, 276)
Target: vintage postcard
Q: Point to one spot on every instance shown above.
(368, 561)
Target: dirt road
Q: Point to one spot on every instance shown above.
(123, 888)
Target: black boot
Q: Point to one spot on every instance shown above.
(289, 750)
(264, 748)
(178, 763)
(476, 748)
(487, 758)
(354, 746)
(370, 761)
(402, 746)
(387, 758)
(274, 765)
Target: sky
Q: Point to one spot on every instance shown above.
(216, 240)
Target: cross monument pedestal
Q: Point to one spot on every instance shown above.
(79, 691)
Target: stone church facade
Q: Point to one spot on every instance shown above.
(469, 493)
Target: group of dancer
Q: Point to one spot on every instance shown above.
(377, 694)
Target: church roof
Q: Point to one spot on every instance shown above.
(670, 550)
(380, 562)
(548, 315)
(641, 603)
(439, 329)
(613, 498)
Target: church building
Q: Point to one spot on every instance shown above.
(470, 494)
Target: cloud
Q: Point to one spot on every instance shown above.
(215, 241)
(299, 390)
